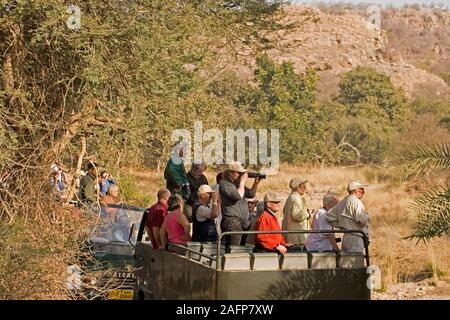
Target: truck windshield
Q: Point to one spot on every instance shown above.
(115, 222)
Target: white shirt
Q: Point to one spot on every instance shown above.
(319, 241)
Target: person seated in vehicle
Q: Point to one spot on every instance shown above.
(112, 195)
(106, 180)
(89, 190)
(204, 212)
(268, 221)
(326, 241)
(196, 178)
(176, 227)
(253, 216)
(155, 217)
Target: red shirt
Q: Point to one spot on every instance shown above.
(268, 222)
(155, 218)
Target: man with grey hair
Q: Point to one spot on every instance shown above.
(350, 214)
(326, 241)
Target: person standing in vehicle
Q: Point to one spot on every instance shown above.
(326, 241)
(175, 173)
(295, 212)
(204, 212)
(350, 214)
(176, 227)
(155, 217)
(268, 221)
(196, 178)
(232, 196)
(252, 216)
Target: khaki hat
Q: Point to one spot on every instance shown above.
(271, 197)
(204, 188)
(328, 198)
(236, 166)
(295, 182)
(353, 185)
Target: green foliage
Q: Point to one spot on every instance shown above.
(433, 206)
(286, 101)
(367, 92)
(372, 110)
(418, 159)
(371, 140)
(131, 193)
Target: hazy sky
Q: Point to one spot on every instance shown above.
(446, 3)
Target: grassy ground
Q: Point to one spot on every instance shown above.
(386, 200)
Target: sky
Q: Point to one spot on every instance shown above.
(396, 3)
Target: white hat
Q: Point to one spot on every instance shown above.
(356, 185)
(204, 188)
(236, 166)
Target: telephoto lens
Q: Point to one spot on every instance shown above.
(257, 175)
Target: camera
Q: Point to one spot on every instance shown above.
(186, 188)
(257, 175)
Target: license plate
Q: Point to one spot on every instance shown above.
(120, 295)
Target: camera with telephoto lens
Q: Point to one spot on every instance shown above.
(186, 188)
(257, 175)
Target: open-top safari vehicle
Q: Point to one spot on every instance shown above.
(206, 271)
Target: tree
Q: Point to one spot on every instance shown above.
(286, 101)
(113, 81)
(372, 110)
(368, 93)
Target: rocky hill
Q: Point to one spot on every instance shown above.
(412, 47)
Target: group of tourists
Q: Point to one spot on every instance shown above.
(93, 187)
(189, 209)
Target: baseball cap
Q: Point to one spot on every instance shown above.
(204, 188)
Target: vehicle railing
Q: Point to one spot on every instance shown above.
(189, 250)
(228, 233)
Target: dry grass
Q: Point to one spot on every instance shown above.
(386, 200)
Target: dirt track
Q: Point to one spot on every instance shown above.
(423, 290)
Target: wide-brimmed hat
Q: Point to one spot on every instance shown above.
(271, 197)
(353, 185)
(236, 166)
(92, 165)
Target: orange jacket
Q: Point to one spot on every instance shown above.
(268, 222)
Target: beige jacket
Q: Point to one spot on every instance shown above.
(350, 214)
(295, 217)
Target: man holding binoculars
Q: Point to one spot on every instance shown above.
(235, 216)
